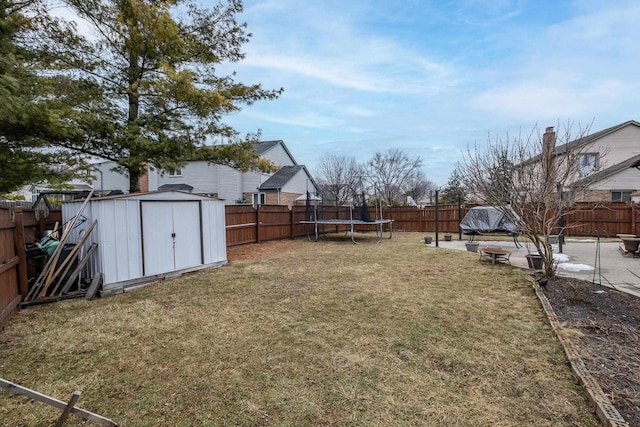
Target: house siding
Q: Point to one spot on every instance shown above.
(593, 196)
(229, 184)
(279, 156)
(198, 174)
(613, 149)
(298, 182)
(617, 146)
(106, 179)
(252, 180)
(628, 179)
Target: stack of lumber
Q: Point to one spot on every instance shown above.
(63, 268)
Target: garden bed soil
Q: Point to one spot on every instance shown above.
(605, 327)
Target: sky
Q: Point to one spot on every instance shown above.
(434, 77)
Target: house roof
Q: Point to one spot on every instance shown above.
(605, 173)
(175, 187)
(560, 149)
(284, 175)
(264, 146)
(280, 178)
(580, 142)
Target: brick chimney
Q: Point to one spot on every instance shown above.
(548, 149)
(548, 142)
(144, 180)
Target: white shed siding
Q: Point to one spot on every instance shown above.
(171, 236)
(198, 222)
(119, 234)
(214, 243)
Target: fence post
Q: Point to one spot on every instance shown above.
(291, 220)
(42, 225)
(23, 280)
(258, 224)
(633, 217)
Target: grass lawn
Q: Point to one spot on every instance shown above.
(299, 333)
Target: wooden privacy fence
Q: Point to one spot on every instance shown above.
(24, 226)
(609, 219)
(244, 225)
(270, 222)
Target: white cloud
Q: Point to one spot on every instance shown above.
(546, 99)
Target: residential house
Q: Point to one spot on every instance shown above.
(221, 181)
(31, 192)
(287, 185)
(608, 164)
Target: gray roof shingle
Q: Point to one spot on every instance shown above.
(280, 178)
(264, 146)
(175, 187)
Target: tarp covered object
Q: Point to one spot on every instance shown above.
(487, 219)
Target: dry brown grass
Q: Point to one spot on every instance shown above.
(297, 333)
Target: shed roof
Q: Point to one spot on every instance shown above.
(156, 195)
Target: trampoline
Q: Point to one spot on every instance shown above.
(350, 223)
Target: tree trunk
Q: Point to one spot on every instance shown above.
(134, 180)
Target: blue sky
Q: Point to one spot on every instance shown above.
(433, 77)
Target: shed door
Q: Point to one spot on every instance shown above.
(171, 235)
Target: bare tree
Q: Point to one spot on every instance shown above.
(524, 178)
(418, 186)
(340, 178)
(392, 173)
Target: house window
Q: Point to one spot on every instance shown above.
(35, 193)
(587, 163)
(177, 172)
(621, 196)
(259, 199)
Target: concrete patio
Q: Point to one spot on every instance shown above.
(584, 259)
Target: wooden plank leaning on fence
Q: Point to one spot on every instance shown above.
(65, 407)
(53, 260)
(67, 262)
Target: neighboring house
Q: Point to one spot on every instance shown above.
(106, 180)
(283, 187)
(608, 162)
(31, 192)
(221, 181)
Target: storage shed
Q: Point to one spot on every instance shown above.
(145, 236)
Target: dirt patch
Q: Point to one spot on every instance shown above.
(605, 326)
